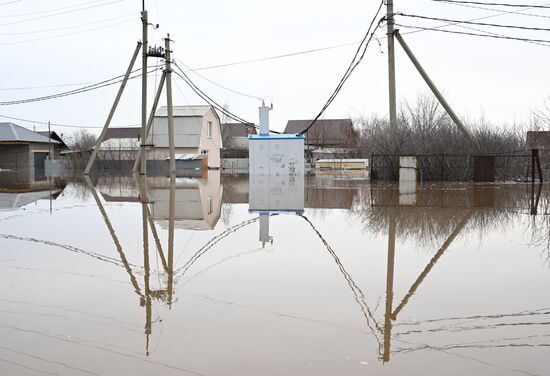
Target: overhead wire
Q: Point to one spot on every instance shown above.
(357, 58)
(69, 27)
(98, 85)
(181, 74)
(520, 12)
(189, 69)
(57, 14)
(472, 22)
(545, 41)
(65, 34)
(60, 124)
(494, 4)
(50, 10)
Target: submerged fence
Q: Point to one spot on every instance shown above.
(516, 166)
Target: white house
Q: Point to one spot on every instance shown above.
(197, 134)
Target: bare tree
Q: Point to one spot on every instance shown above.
(81, 140)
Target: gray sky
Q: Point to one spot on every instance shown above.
(500, 80)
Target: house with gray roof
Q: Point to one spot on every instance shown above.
(23, 152)
(326, 133)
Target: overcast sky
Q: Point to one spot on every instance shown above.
(58, 42)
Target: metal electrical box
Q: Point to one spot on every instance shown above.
(276, 155)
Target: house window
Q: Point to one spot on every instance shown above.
(209, 129)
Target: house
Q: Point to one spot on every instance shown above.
(235, 135)
(23, 152)
(120, 144)
(54, 136)
(197, 134)
(326, 133)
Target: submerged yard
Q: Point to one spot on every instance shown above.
(222, 276)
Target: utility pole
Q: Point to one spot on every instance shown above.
(49, 142)
(391, 68)
(144, 20)
(168, 72)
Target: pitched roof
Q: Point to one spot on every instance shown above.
(53, 136)
(324, 131)
(123, 132)
(184, 111)
(13, 132)
(236, 130)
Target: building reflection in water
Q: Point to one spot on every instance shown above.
(271, 195)
(437, 215)
(183, 203)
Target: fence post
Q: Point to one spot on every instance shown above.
(539, 168)
(533, 153)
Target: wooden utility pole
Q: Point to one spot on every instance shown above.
(391, 67)
(168, 72)
(144, 20)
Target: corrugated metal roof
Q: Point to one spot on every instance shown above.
(13, 132)
(184, 111)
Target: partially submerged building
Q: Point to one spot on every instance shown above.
(197, 135)
(23, 152)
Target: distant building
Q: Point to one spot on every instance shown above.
(54, 136)
(235, 135)
(326, 133)
(23, 152)
(120, 144)
(197, 134)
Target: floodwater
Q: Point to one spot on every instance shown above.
(221, 275)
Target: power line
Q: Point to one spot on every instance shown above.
(520, 12)
(10, 2)
(50, 10)
(475, 34)
(472, 22)
(212, 102)
(61, 125)
(69, 27)
(272, 57)
(219, 85)
(60, 13)
(357, 58)
(98, 85)
(494, 4)
(64, 35)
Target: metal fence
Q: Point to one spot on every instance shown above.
(515, 166)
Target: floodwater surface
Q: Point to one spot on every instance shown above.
(224, 275)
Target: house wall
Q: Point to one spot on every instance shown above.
(213, 143)
(187, 131)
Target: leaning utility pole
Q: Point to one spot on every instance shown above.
(391, 68)
(144, 51)
(168, 72)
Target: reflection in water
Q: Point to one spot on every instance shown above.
(430, 219)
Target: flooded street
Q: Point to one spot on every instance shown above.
(333, 275)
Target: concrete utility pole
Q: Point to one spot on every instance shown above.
(168, 72)
(112, 112)
(391, 67)
(144, 20)
(432, 87)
